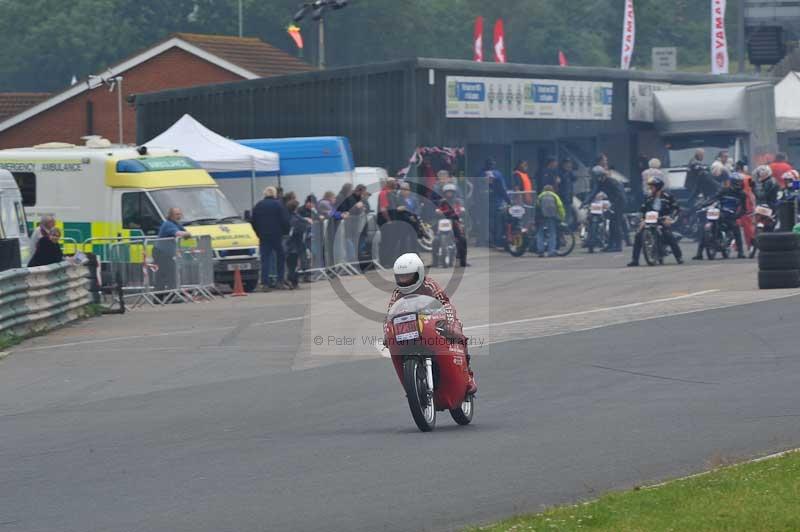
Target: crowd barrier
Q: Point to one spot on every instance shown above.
(39, 299)
(155, 271)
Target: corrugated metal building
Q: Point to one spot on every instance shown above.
(389, 109)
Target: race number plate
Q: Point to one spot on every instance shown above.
(763, 210)
(445, 226)
(242, 266)
(597, 207)
(712, 214)
(651, 217)
(405, 328)
(516, 211)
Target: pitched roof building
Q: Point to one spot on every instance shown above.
(90, 108)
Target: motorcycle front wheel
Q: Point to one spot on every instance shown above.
(419, 402)
(463, 414)
(650, 248)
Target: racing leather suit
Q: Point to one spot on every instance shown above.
(667, 206)
(731, 206)
(455, 330)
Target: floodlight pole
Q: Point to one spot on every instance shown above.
(321, 53)
(241, 19)
(118, 79)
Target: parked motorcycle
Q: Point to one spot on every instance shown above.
(716, 238)
(518, 230)
(765, 220)
(597, 225)
(431, 366)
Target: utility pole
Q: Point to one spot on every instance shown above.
(118, 81)
(740, 37)
(241, 19)
(321, 44)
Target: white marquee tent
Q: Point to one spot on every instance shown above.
(217, 154)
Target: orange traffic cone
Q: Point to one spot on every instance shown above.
(238, 286)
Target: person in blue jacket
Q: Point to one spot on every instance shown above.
(270, 222)
(498, 199)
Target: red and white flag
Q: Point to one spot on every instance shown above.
(477, 40)
(499, 42)
(719, 41)
(562, 59)
(628, 36)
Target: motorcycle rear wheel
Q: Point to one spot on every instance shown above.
(463, 414)
(517, 244)
(566, 243)
(415, 382)
(426, 240)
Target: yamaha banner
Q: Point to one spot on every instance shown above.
(719, 41)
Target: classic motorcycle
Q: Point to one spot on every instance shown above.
(597, 225)
(716, 238)
(444, 244)
(653, 246)
(431, 366)
(518, 230)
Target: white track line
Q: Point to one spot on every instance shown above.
(592, 311)
(156, 335)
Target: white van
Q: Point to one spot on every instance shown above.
(12, 215)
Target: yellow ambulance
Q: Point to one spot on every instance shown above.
(98, 192)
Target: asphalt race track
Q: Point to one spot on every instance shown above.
(334, 448)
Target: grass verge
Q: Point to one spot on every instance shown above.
(757, 496)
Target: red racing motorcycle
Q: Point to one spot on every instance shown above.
(431, 366)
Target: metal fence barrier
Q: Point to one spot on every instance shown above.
(156, 271)
(39, 299)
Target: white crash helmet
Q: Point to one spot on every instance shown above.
(449, 187)
(409, 264)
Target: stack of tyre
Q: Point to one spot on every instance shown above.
(779, 260)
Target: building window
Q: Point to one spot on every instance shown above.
(139, 213)
(26, 181)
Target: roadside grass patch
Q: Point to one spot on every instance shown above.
(757, 496)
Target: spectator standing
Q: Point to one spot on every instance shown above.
(313, 244)
(549, 215)
(521, 182)
(386, 200)
(567, 189)
(746, 220)
(46, 224)
(498, 199)
(296, 242)
(549, 175)
(724, 157)
(325, 208)
(653, 170)
(271, 222)
(354, 208)
(166, 248)
(779, 167)
(48, 249)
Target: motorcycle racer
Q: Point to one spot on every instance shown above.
(664, 203)
(731, 200)
(409, 275)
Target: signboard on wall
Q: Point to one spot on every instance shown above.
(640, 100)
(476, 97)
(665, 59)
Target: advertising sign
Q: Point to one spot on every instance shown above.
(477, 97)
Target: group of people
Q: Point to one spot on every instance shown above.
(45, 243)
(725, 183)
